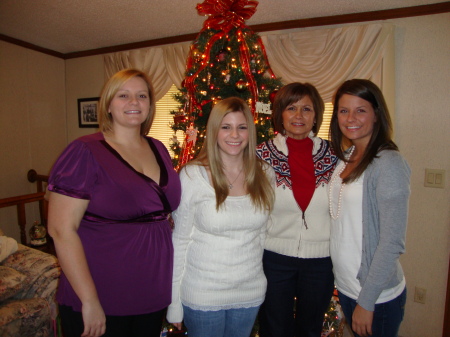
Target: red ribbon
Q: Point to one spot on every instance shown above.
(189, 80)
(246, 68)
(226, 14)
(185, 154)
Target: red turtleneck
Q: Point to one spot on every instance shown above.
(302, 170)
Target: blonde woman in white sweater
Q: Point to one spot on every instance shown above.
(220, 225)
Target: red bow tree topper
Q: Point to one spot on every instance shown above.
(226, 14)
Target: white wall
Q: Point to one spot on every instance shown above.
(422, 46)
(32, 123)
(84, 78)
(422, 118)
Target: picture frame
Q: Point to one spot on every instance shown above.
(88, 112)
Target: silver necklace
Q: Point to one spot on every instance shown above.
(230, 185)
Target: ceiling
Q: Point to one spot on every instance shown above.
(67, 26)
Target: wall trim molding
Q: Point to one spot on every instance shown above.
(442, 7)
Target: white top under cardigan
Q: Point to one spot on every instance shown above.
(217, 255)
(346, 238)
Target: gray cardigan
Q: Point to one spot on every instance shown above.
(385, 213)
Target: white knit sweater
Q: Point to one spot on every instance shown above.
(218, 255)
(288, 233)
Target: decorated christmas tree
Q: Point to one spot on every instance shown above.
(333, 324)
(226, 59)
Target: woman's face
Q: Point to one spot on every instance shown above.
(356, 119)
(130, 106)
(232, 138)
(299, 118)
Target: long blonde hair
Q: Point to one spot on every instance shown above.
(258, 186)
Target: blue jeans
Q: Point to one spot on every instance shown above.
(311, 281)
(222, 323)
(387, 316)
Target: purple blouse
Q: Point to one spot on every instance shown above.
(125, 232)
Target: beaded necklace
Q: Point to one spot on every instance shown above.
(330, 190)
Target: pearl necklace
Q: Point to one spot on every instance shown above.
(330, 190)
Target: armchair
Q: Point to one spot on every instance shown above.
(28, 282)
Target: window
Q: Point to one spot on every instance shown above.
(161, 129)
(325, 127)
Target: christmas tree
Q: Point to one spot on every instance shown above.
(333, 324)
(226, 59)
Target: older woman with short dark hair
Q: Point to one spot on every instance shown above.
(296, 259)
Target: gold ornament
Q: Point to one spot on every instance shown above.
(196, 54)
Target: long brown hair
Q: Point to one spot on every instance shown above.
(110, 89)
(381, 138)
(258, 186)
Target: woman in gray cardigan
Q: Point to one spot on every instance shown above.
(369, 195)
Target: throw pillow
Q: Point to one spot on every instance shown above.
(11, 282)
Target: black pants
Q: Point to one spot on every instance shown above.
(310, 281)
(146, 325)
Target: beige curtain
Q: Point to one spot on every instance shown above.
(165, 65)
(327, 57)
(323, 57)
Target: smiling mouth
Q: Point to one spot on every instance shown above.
(298, 124)
(132, 112)
(353, 127)
(234, 143)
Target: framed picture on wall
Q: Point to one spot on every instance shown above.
(87, 112)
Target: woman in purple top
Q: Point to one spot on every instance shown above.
(111, 195)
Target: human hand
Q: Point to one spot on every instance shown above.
(362, 321)
(94, 319)
(177, 325)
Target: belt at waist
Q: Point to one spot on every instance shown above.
(149, 217)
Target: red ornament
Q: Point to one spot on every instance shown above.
(222, 55)
(272, 95)
(241, 85)
(179, 119)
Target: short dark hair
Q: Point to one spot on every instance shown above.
(291, 93)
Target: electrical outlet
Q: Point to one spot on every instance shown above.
(420, 295)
